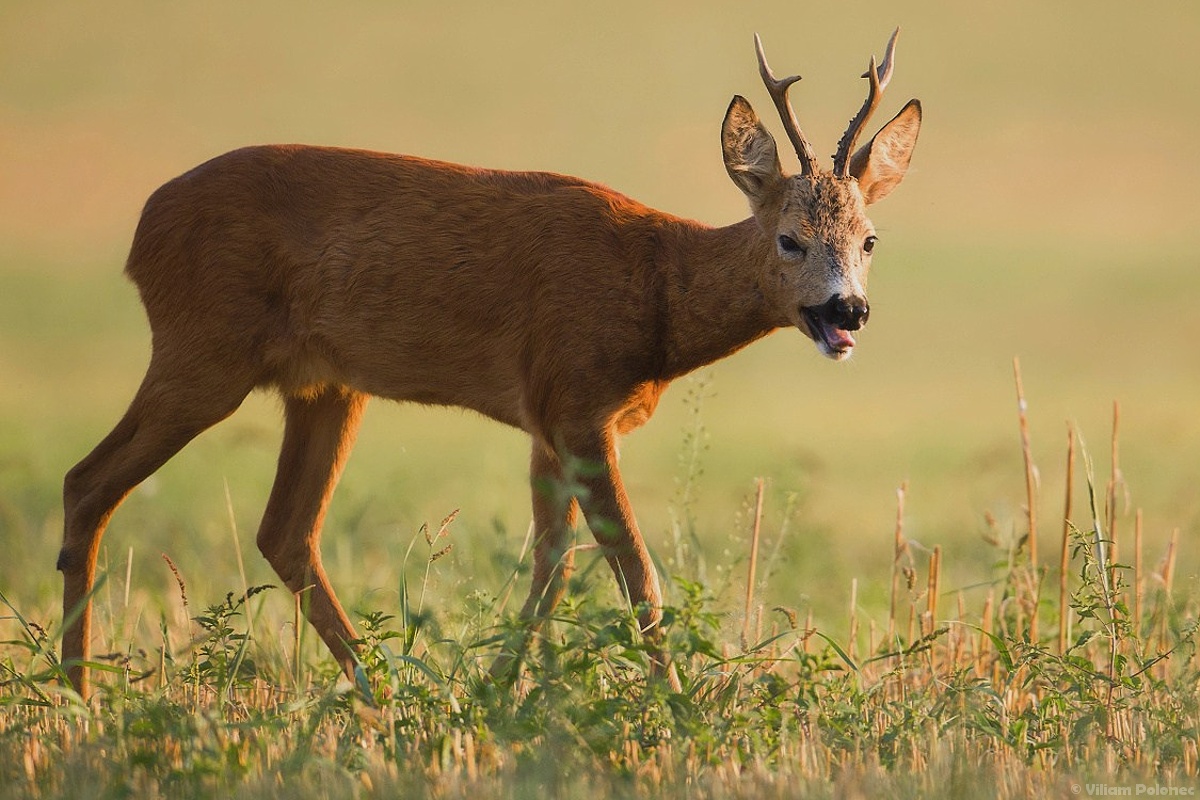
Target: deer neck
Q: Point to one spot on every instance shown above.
(713, 303)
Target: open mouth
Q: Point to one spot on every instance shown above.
(830, 323)
(833, 342)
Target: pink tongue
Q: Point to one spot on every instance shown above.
(837, 338)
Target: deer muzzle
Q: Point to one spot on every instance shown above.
(830, 324)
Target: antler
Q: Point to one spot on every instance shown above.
(778, 91)
(879, 80)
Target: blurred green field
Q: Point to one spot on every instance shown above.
(1051, 215)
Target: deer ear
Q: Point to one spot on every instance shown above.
(880, 164)
(750, 155)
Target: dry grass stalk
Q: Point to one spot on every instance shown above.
(956, 638)
(1139, 583)
(985, 642)
(1110, 502)
(1064, 610)
(1030, 473)
(935, 585)
(750, 578)
(1030, 499)
(1166, 573)
(1169, 561)
(297, 627)
(931, 599)
(912, 621)
(179, 581)
(897, 551)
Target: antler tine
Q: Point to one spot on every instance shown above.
(778, 90)
(879, 78)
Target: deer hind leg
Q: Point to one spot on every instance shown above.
(173, 405)
(555, 513)
(318, 436)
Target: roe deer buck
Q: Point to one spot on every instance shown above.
(546, 302)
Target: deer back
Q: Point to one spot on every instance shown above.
(404, 277)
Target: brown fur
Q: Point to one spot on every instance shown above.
(545, 302)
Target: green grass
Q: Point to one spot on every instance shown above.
(939, 695)
(1050, 215)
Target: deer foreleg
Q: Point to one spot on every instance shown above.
(555, 512)
(610, 517)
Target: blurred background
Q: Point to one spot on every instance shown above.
(1050, 215)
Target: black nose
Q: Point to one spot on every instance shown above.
(847, 313)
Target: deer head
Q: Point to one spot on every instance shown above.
(821, 241)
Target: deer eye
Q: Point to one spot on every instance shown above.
(789, 245)
(869, 244)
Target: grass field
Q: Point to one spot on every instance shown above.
(1051, 215)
